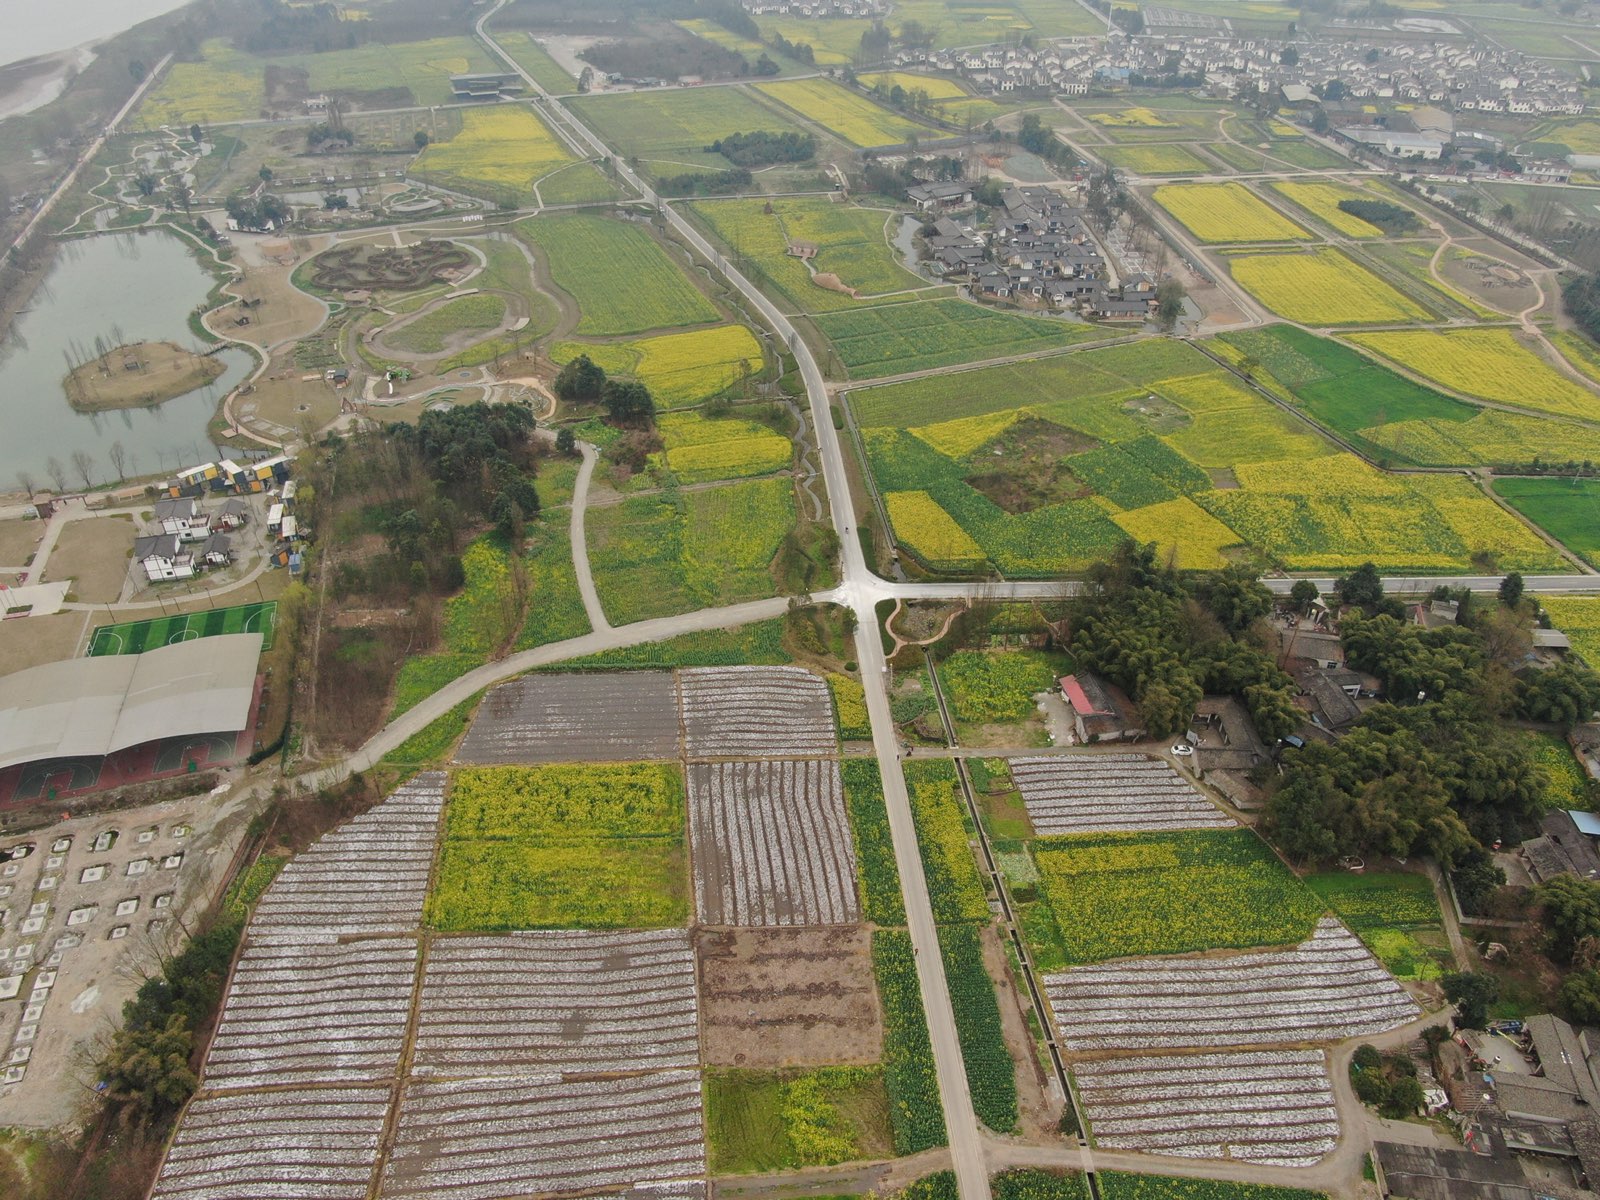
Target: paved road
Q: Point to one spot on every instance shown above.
(580, 546)
(858, 593)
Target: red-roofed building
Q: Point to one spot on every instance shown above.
(1100, 712)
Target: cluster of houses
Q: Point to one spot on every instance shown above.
(1039, 251)
(847, 9)
(228, 476)
(185, 539)
(1466, 76)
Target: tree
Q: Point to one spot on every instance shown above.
(27, 482)
(1511, 590)
(1235, 597)
(1571, 913)
(1320, 122)
(1563, 695)
(1472, 993)
(1290, 57)
(57, 472)
(566, 441)
(196, 134)
(1404, 1099)
(627, 402)
(1170, 295)
(1580, 996)
(1303, 594)
(119, 460)
(1475, 879)
(1507, 213)
(83, 464)
(138, 70)
(580, 379)
(1362, 588)
(265, 174)
(147, 1068)
(420, 139)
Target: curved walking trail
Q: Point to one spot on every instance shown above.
(580, 547)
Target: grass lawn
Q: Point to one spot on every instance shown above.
(621, 277)
(762, 1121)
(430, 333)
(1568, 509)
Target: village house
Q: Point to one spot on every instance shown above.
(1100, 712)
(162, 557)
(181, 518)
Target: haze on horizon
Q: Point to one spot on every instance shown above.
(35, 27)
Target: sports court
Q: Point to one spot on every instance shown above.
(135, 637)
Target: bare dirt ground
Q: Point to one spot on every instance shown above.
(788, 997)
(94, 555)
(32, 641)
(82, 1000)
(284, 312)
(288, 401)
(1038, 1114)
(17, 541)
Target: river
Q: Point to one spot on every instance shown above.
(35, 27)
(144, 283)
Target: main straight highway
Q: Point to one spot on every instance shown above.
(860, 590)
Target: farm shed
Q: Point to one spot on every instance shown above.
(1424, 1173)
(91, 707)
(1562, 848)
(1100, 713)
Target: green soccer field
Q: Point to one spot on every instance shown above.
(135, 637)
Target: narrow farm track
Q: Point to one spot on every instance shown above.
(580, 547)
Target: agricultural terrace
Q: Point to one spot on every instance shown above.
(679, 368)
(1321, 200)
(1567, 509)
(699, 449)
(506, 146)
(1226, 212)
(1489, 364)
(620, 276)
(889, 339)
(670, 130)
(1323, 287)
(852, 247)
(1040, 467)
(1326, 989)
(1392, 418)
(1157, 159)
(135, 637)
(677, 551)
(563, 847)
(848, 114)
(230, 85)
(1579, 618)
(1120, 895)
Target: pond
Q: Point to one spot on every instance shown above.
(143, 285)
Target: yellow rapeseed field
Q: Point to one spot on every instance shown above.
(853, 117)
(1579, 618)
(937, 88)
(1132, 118)
(506, 145)
(1491, 364)
(960, 437)
(678, 368)
(1182, 529)
(1321, 200)
(931, 532)
(1323, 287)
(1226, 212)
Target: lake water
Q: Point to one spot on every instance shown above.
(144, 283)
(35, 27)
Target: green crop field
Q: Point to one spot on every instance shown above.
(1119, 895)
(1040, 467)
(500, 152)
(431, 332)
(892, 339)
(135, 637)
(622, 279)
(676, 126)
(563, 847)
(678, 551)
(533, 59)
(679, 368)
(1394, 419)
(763, 1121)
(851, 245)
(1567, 509)
(230, 85)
